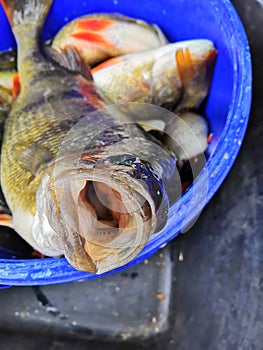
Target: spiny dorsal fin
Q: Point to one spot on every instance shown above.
(70, 59)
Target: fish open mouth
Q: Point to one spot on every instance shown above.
(109, 210)
(113, 220)
(101, 224)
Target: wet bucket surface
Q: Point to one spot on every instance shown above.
(227, 110)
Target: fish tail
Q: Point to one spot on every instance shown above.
(24, 12)
(27, 18)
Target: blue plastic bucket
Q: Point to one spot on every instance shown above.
(227, 110)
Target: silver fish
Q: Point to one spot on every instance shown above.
(175, 76)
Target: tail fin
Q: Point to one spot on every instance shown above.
(21, 12)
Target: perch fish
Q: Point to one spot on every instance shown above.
(98, 37)
(99, 193)
(175, 76)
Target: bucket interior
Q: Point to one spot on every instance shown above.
(180, 20)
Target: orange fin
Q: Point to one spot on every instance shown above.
(210, 60)
(16, 86)
(38, 254)
(87, 89)
(196, 75)
(185, 64)
(107, 64)
(95, 24)
(8, 12)
(92, 37)
(5, 220)
(209, 138)
(191, 66)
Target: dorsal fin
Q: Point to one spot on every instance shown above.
(70, 59)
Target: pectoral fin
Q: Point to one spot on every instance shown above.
(196, 74)
(5, 220)
(16, 86)
(32, 157)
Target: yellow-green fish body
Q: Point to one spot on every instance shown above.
(43, 112)
(98, 195)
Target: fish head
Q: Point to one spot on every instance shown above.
(101, 215)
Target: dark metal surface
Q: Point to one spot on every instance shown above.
(219, 286)
(214, 295)
(129, 307)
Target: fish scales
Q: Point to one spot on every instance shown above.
(41, 116)
(58, 213)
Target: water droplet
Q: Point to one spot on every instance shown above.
(248, 88)
(181, 256)
(154, 320)
(226, 156)
(180, 212)
(239, 142)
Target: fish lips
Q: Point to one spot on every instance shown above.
(78, 246)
